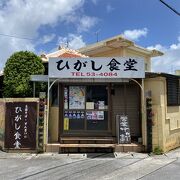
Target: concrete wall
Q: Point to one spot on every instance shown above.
(157, 88)
(113, 52)
(172, 128)
(166, 119)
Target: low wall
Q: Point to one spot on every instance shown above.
(172, 128)
(166, 119)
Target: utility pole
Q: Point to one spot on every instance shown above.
(97, 35)
(67, 43)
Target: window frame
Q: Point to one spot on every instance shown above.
(85, 131)
(173, 91)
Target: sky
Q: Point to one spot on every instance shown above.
(42, 25)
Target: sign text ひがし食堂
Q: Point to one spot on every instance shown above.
(110, 67)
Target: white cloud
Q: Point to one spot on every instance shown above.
(170, 61)
(86, 22)
(179, 38)
(135, 34)
(109, 8)
(73, 41)
(25, 17)
(48, 38)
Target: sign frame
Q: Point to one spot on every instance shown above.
(101, 67)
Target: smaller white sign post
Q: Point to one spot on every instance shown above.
(109, 67)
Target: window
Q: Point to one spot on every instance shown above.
(173, 91)
(86, 108)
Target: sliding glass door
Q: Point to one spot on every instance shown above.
(85, 108)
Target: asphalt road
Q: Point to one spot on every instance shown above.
(125, 166)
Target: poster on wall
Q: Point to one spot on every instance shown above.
(89, 105)
(78, 116)
(95, 115)
(101, 104)
(65, 98)
(76, 97)
(89, 115)
(100, 115)
(66, 124)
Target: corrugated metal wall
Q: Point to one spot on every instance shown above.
(132, 106)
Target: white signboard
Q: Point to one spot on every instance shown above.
(109, 67)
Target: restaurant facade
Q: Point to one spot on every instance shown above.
(101, 98)
(97, 99)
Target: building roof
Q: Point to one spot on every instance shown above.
(62, 52)
(160, 74)
(116, 42)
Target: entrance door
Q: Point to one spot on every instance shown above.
(128, 103)
(85, 109)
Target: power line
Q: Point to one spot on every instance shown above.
(171, 8)
(17, 37)
(29, 39)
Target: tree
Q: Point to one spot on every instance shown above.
(17, 73)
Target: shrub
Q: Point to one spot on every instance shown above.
(17, 73)
(158, 151)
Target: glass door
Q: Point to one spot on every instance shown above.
(97, 107)
(85, 108)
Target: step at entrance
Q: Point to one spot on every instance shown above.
(87, 140)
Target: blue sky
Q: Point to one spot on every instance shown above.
(49, 23)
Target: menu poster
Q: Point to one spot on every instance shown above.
(78, 116)
(82, 115)
(89, 105)
(124, 130)
(100, 115)
(89, 115)
(76, 97)
(66, 114)
(70, 115)
(95, 115)
(101, 105)
(65, 98)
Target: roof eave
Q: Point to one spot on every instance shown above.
(122, 42)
